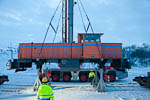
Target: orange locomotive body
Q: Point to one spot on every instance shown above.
(70, 56)
(81, 50)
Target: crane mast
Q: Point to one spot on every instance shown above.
(70, 20)
(64, 20)
(67, 21)
(68, 55)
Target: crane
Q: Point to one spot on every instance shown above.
(70, 55)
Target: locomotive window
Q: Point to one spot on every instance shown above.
(91, 38)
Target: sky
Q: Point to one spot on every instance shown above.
(121, 21)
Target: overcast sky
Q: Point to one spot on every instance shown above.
(123, 21)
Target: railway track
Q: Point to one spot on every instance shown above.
(123, 85)
(110, 86)
(86, 84)
(16, 88)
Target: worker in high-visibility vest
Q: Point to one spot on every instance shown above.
(91, 75)
(45, 92)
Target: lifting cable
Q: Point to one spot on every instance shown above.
(57, 27)
(50, 24)
(81, 17)
(89, 25)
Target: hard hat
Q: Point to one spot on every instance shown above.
(44, 79)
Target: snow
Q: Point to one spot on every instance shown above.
(20, 87)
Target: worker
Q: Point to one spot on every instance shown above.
(45, 92)
(91, 75)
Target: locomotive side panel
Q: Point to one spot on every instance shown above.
(112, 50)
(92, 50)
(50, 51)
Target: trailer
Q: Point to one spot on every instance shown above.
(70, 55)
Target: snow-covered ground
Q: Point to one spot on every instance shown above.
(20, 87)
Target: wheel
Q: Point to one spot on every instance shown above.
(83, 78)
(106, 78)
(109, 78)
(112, 78)
(111, 75)
(66, 78)
(55, 78)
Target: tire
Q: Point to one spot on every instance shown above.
(112, 76)
(66, 78)
(55, 78)
(83, 78)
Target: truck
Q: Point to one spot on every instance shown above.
(70, 55)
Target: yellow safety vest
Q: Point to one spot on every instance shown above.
(91, 74)
(45, 92)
